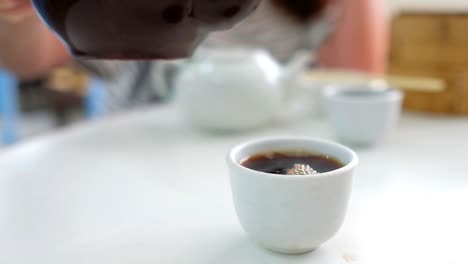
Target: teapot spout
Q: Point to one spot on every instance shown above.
(296, 66)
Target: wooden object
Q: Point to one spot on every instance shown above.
(66, 88)
(68, 80)
(406, 83)
(432, 45)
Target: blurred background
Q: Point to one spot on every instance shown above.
(415, 38)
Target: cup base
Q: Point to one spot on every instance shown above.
(288, 251)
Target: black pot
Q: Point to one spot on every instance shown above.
(139, 29)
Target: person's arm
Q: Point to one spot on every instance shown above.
(27, 47)
(361, 39)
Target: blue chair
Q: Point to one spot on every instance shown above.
(9, 106)
(9, 109)
(95, 99)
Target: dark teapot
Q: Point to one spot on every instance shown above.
(139, 29)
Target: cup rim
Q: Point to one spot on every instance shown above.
(388, 94)
(347, 167)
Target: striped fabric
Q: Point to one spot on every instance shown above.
(269, 28)
(131, 83)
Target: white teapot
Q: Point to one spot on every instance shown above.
(235, 89)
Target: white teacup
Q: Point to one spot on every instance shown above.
(291, 214)
(362, 116)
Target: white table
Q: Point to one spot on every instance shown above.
(146, 188)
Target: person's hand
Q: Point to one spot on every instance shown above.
(15, 10)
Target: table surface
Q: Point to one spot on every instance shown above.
(145, 187)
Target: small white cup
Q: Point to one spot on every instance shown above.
(291, 214)
(362, 116)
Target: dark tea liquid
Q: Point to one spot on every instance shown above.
(139, 29)
(281, 162)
